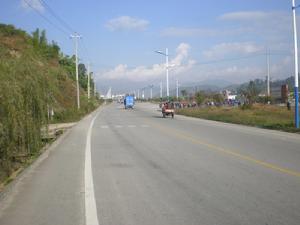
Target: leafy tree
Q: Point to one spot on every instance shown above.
(218, 98)
(36, 37)
(250, 93)
(43, 39)
(81, 70)
(82, 76)
(55, 49)
(68, 63)
(183, 93)
(200, 97)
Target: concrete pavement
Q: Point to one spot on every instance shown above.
(149, 170)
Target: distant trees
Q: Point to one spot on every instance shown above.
(32, 82)
(40, 44)
(200, 97)
(183, 93)
(250, 93)
(69, 64)
(218, 98)
(82, 76)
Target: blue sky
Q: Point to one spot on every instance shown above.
(120, 37)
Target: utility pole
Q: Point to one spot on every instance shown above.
(167, 65)
(76, 37)
(296, 66)
(177, 89)
(160, 89)
(88, 88)
(151, 87)
(268, 72)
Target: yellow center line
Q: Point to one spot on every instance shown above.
(225, 151)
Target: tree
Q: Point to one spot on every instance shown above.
(250, 93)
(36, 37)
(81, 70)
(82, 74)
(183, 93)
(200, 97)
(218, 98)
(43, 39)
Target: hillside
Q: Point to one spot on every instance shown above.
(35, 78)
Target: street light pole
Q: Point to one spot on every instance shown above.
(88, 70)
(268, 72)
(296, 66)
(160, 89)
(167, 68)
(76, 37)
(177, 89)
(167, 65)
(151, 92)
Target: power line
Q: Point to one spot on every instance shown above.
(67, 26)
(58, 18)
(229, 59)
(86, 51)
(46, 19)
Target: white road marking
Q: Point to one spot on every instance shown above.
(129, 126)
(91, 217)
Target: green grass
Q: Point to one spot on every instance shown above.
(31, 81)
(264, 116)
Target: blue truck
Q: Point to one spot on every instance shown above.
(129, 102)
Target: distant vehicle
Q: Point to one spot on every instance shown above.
(129, 102)
(167, 109)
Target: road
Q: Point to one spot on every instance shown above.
(132, 167)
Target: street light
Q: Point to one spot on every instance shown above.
(296, 65)
(151, 87)
(167, 67)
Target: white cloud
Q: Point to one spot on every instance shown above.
(249, 15)
(188, 32)
(234, 73)
(127, 23)
(32, 4)
(270, 26)
(231, 49)
(142, 73)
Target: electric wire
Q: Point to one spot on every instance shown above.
(65, 25)
(57, 17)
(45, 18)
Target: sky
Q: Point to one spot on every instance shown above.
(213, 42)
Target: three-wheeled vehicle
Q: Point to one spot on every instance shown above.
(167, 109)
(129, 102)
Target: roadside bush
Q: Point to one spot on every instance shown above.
(23, 105)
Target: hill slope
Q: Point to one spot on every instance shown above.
(34, 77)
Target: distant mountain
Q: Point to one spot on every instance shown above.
(219, 85)
(262, 85)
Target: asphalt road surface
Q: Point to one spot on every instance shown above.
(132, 167)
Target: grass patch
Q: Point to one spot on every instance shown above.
(34, 78)
(264, 116)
